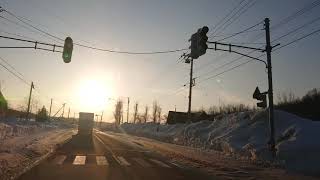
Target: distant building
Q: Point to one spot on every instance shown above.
(182, 117)
(3, 105)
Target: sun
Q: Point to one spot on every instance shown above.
(93, 94)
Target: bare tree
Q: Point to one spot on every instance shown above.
(118, 111)
(159, 113)
(135, 113)
(155, 111)
(146, 113)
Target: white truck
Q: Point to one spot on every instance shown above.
(85, 125)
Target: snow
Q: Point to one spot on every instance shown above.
(22, 144)
(245, 134)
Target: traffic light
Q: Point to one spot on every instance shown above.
(261, 97)
(194, 46)
(199, 42)
(202, 42)
(67, 50)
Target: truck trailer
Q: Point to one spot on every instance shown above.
(85, 125)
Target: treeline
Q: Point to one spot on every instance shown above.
(308, 106)
(138, 117)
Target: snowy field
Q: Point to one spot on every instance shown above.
(22, 144)
(245, 135)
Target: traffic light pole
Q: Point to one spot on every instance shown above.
(270, 90)
(190, 89)
(268, 50)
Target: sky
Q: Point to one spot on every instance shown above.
(94, 79)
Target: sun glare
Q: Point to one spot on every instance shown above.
(93, 95)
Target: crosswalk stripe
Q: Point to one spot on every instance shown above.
(59, 159)
(123, 162)
(79, 160)
(101, 160)
(160, 163)
(142, 162)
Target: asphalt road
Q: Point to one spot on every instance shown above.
(104, 157)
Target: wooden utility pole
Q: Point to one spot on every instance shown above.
(29, 101)
(270, 90)
(68, 112)
(128, 109)
(190, 89)
(50, 108)
(64, 104)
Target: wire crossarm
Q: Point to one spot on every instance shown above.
(236, 52)
(36, 43)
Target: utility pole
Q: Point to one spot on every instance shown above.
(270, 90)
(64, 104)
(74, 117)
(101, 119)
(68, 112)
(29, 101)
(128, 109)
(190, 89)
(50, 108)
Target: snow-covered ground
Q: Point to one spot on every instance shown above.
(246, 135)
(22, 144)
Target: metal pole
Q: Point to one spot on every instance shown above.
(29, 101)
(270, 91)
(50, 108)
(128, 110)
(190, 90)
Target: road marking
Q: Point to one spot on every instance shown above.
(101, 161)
(122, 161)
(142, 162)
(79, 160)
(59, 159)
(160, 163)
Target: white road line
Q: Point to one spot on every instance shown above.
(142, 162)
(122, 161)
(160, 163)
(102, 161)
(59, 159)
(79, 160)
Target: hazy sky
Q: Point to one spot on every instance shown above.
(150, 25)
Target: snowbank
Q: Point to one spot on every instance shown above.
(22, 143)
(245, 134)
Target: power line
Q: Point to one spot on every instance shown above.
(226, 16)
(240, 32)
(13, 73)
(130, 52)
(307, 8)
(298, 28)
(92, 47)
(30, 25)
(26, 27)
(298, 39)
(237, 15)
(13, 68)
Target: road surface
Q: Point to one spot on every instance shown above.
(104, 157)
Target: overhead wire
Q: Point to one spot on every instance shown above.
(92, 47)
(226, 16)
